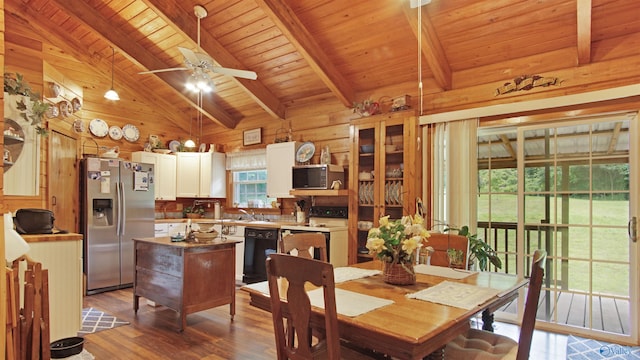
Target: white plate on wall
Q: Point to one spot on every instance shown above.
(98, 127)
(305, 152)
(115, 132)
(130, 133)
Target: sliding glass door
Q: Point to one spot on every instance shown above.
(571, 185)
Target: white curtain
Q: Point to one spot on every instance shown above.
(455, 180)
(247, 160)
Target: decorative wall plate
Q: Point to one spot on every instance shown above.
(130, 132)
(53, 111)
(99, 127)
(115, 132)
(76, 104)
(65, 108)
(55, 90)
(305, 152)
(78, 126)
(174, 146)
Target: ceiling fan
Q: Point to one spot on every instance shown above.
(200, 62)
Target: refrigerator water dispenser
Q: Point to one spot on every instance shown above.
(102, 212)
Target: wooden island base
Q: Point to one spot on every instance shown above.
(185, 277)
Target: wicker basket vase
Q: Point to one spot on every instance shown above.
(397, 274)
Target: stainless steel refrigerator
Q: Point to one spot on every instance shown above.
(117, 206)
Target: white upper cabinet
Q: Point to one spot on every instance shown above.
(218, 175)
(281, 157)
(164, 172)
(200, 175)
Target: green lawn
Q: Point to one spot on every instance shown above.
(591, 244)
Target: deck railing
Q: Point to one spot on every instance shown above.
(502, 236)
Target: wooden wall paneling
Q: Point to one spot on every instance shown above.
(23, 55)
(3, 289)
(595, 76)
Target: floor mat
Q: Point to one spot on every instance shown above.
(94, 320)
(586, 349)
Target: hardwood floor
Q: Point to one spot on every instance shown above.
(211, 334)
(153, 334)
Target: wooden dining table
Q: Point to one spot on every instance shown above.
(408, 328)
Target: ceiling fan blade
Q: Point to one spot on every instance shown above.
(203, 60)
(163, 70)
(245, 74)
(189, 55)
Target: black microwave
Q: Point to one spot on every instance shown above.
(317, 176)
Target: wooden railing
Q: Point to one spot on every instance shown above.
(502, 236)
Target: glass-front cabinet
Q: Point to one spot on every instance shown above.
(385, 175)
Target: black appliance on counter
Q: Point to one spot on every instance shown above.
(258, 244)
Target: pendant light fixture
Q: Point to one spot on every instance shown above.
(112, 94)
(190, 143)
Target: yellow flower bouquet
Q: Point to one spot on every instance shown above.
(395, 242)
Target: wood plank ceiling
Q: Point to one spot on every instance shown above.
(305, 49)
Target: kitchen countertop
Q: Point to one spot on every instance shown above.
(52, 237)
(166, 240)
(246, 223)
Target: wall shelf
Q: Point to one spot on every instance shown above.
(330, 192)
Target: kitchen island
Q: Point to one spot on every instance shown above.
(185, 276)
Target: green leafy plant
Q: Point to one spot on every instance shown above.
(14, 84)
(456, 257)
(479, 249)
(193, 210)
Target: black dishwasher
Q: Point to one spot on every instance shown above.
(258, 244)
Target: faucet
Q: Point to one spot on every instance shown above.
(250, 215)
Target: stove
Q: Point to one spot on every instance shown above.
(324, 219)
(332, 221)
(328, 216)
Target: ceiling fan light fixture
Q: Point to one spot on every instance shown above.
(189, 144)
(418, 3)
(111, 94)
(199, 82)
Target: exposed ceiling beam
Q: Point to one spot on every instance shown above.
(293, 29)
(507, 146)
(137, 54)
(431, 48)
(615, 135)
(584, 31)
(74, 48)
(185, 23)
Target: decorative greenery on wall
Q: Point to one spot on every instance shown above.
(33, 111)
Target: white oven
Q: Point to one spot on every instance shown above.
(333, 223)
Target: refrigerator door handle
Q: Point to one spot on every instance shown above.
(119, 209)
(123, 207)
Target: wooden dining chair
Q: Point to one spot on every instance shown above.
(295, 313)
(480, 344)
(440, 242)
(305, 245)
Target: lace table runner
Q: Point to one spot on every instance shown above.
(349, 303)
(342, 274)
(455, 294)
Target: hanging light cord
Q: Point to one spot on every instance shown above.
(200, 116)
(113, 58)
